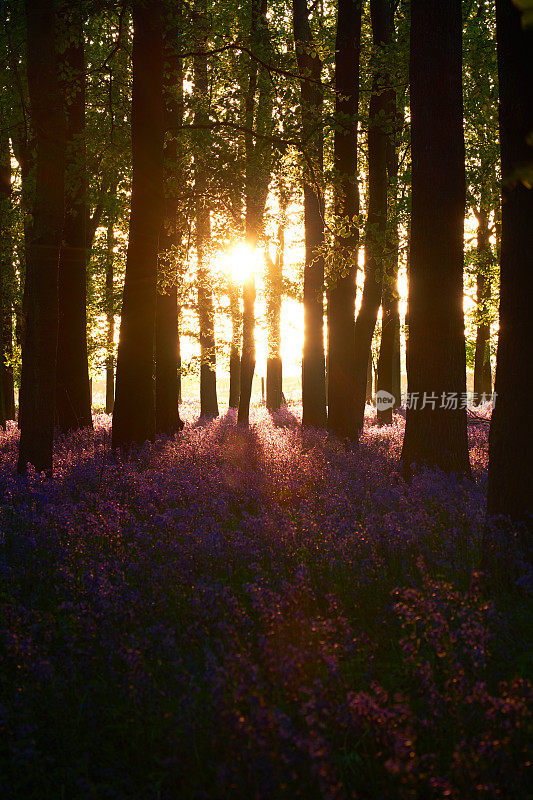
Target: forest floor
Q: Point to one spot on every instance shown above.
(264, 613)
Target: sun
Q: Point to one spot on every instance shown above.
(241, 263)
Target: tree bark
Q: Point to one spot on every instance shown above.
(206, 312)
(110, 317)
(7, 278)
(341, 295)
(313, 361)
(234, 356)
(274, 376)
(379, 123)
(436, 363)
(134, 415)
(389, 371)
(510, 443)
(37, 391)
(166, 328)
(482, 369)
(258, 155)
(73, 399)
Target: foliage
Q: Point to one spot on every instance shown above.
(258, 613)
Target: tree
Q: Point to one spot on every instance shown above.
(341, 295)
(134, 414)
(380, 120)
(166, 328)
(435, 431)
(274, 376)
(510, 444)
(7, 398)
(37, 392)
(312, 139)
(73, 398)
(206, 312)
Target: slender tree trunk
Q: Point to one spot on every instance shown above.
(110, 318)
(40, 340)
(7, 279)
(482, 370)
(166, 328)
(510, 443)
(341, 296)
(313, 362)
(73, 399)
(134, 415)
(436, 369)
(389, 371)
(368, 385)
(258, 167)
(206, 312)
(379, 123)
(234, 356)
(274, 376)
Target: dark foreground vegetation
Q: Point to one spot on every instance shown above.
(259, 612)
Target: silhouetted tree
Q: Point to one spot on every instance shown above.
(206, 311)
(380, 120)
(511, 441)
(166, 328)
(436, 434)
(73, 400)
(341, 295)
(313, 362)
(134, 414)
(37, 392)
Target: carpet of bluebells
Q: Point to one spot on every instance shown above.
(263, 613)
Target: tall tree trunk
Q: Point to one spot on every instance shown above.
(73, 399)
(379, 122)
(482, 370)
(341, 296)
(313, 361)
(234, 356)
(134, 415)
(274, 376)
(110, 317)
(166, 328)
(258, 167)
(7, 278)
(436, 434)
(511, 445)
(389, 371)
(37, 391)
(206, 311)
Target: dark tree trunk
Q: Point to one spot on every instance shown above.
(37, 391)
(110, 318)
(389, 371)
(482, 370)
(206, 311)
(313, 362)
(7, 280)
(258, 163)
(274, 376)
(510, 443)
(166, 328)
(134, 415)
(436, 360)
(368, 384)
(73, 399)
(234, 356)
(379, 122)
(341, 296)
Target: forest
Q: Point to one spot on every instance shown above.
(266, 355)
